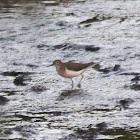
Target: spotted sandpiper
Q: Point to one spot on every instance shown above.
(70, 69)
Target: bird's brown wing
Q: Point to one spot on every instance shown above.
(77, 66)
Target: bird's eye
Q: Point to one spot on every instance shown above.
(57, 62)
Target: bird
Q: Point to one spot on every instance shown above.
(71, 69)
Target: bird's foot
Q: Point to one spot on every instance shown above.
(79, 85)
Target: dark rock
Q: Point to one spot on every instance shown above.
(57, 113)
(28, 65)
(69, 92)
(9, 92)
(97, 67)
(116, 67)
(92, 48)
(135, 86)
(13, 73)
(18, 128)
(42, 46)
(62, 46)
(32, 65)
(70, 14)
(3, 100)
(126, 102)
(130, 73)
(101, 126)
(110, 69)
(136, 79)
(87, 25)
(39, 25)
(17, 64)
(82, 135)
(38, 88)
(76, 47)
(25, 131)
(122, 19)
(8, 132)
(106, 70)
(19, 80)
(61, 23)
(96, 18)
(66, 46)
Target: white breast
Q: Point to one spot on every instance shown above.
(70, 73)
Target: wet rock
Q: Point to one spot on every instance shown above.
(32, 65)
(57, 113)
(25, 131)
(6, 4)
(110, 69)
(87, 25)
(70, 14)
(1, 38)
(13, 73)
(92, 48)
(116, 67)
(43, 46)
(69, 93)
(62, 23)
(3, 100)
(96, 18)
(101, 126)
(38, 88)
(28, 65)
(17, 64)
(136, 79)
(40, 25)
(62, 46)
(65, 46)
(8, 132)
(135, 86)
(126, 102)
(82, 135)
(122, 133)
(130, 73)
(106, 70)
(9, 92)
(20, 80)
(122, 19)
(97, 67)
(18, 128)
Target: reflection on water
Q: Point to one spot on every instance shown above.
(36, 103)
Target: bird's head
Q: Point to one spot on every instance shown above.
(56, 63)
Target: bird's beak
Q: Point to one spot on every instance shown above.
(50, 65)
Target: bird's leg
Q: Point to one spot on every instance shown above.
(79, 85)
(72, 82)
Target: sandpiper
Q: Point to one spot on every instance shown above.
(70, 69)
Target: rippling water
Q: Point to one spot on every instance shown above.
(36, 103)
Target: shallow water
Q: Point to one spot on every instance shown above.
(38, 103)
